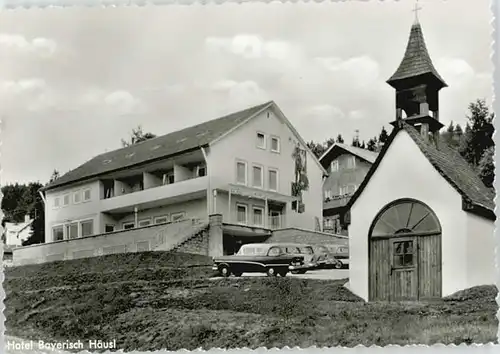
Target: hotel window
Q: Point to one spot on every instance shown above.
(109, 189)
(257, 176)
(72, 230)
(58, 233)
(258, 216)
(57, 202)
(87, 195)
(261, 140)
(335, 165)
(168, 178)
(66, 200)
(161, 219)
(77, 197)
(128, 225)
(145, 222)
(178, 216)
(87, 227)
(241, 214)
(273, 180)
(109, 228)
(351, 162)
(241, 172)
(275, 144)
(201, 171)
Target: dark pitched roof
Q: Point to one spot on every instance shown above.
(157, 148)
(416, 60)
(364, 154)
(450, 165)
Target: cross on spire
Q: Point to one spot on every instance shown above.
(415, 9)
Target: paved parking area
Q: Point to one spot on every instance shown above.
(325, 274)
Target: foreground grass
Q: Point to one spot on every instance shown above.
(159, 300)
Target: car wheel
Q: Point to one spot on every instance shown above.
(338, 265)
(271, 272)
(224, 271)
(283, 273)
(237, 274)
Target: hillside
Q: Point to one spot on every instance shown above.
(156, 300)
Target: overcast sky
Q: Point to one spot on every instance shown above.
(75, 81)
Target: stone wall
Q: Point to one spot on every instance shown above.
(296, 235)
(140, 239)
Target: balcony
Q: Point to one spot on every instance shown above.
(187, 189)
(273, 222)
(336, 201)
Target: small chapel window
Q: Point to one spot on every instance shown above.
(403, 254)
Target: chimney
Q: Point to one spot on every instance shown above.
(27, 218)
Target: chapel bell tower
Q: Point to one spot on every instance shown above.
(417, 84)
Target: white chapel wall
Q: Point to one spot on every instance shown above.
(481, 262)
(405, 172)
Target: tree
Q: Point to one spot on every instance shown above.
(340, 140)
(55, 175)
(24, 199)
(382, 138)
(316, 148)
(355, 142)
(329, 142)
(479, 135)
(137, 136)
(487, 167)
(363, 146)
(372, 144)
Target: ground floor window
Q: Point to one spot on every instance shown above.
(258, 216)
(241, 214)
(128, 225)
(178, 216)
(87, 227)
(72, 230)
(109, 228)
(145, 222)
(58, 233)
(161, 219)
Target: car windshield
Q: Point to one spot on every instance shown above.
(307, 250)
(253, 250)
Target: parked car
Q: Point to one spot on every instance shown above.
(258, 258)
(341, 252)
(326, 259)
(305, 251)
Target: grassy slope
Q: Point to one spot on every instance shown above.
(161, 300)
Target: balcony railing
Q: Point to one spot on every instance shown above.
(153, 194)
(273, 222)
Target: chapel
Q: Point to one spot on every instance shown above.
(421, 224)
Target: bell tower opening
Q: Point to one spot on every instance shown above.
(417, 84)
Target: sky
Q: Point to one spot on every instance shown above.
(75, 81)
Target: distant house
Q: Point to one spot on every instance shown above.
(240, 166)
(347, 166)
(422, 222)
(16, 233)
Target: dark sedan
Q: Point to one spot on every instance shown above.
(270, 259)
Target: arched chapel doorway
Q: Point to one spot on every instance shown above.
(404, 250)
